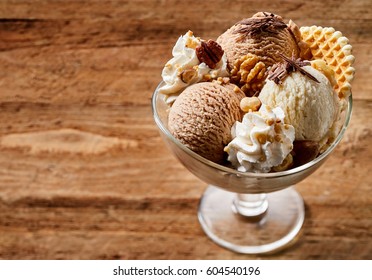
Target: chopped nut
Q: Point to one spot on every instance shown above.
(190, 43)
(207, 77)
(187, 75)
(270, 122)
(250, 103)
(277, 128)
(262, 138)
(224, 80)
(278, 138)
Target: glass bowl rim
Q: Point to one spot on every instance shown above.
(222, 168)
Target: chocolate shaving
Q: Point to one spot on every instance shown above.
(280, 71)
(257, 25)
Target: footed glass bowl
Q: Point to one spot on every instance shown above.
(246, 212)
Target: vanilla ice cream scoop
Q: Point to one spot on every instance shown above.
(202, 116)
(310, 106)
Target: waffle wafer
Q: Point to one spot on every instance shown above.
(329, 45)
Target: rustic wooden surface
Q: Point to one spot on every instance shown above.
(83, 171)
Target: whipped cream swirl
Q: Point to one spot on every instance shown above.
(185, 68)
(261, 141)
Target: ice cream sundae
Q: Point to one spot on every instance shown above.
(265, 96)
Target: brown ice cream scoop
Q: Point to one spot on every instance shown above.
(265, 35)
(202, 116)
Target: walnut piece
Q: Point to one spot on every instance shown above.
(249, 73)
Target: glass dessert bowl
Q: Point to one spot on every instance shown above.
(246, 212)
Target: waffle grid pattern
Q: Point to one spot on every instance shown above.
(329, 45)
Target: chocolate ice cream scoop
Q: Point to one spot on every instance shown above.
(264, 34)
(202, 116)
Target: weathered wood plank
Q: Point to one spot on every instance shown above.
(84, 173)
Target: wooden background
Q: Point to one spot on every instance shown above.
(83, 171)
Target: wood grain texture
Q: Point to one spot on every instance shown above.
(84, 173)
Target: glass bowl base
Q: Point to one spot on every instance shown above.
(270, 232)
